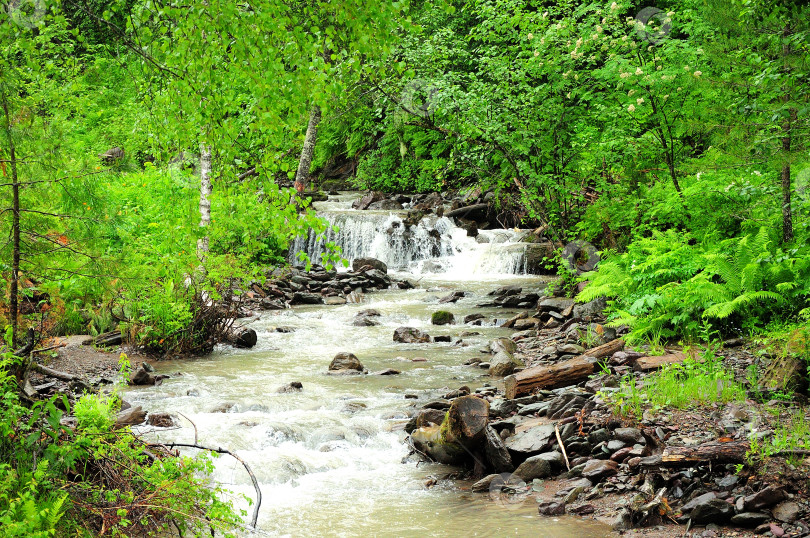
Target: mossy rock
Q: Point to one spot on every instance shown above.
(442, 317)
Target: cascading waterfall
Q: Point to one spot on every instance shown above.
(434, 245)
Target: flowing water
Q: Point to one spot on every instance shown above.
(329, 459)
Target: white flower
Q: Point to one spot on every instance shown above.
(576, 76)
(614, 6)
(568, 95)
(542, 40)
(599, 29)
(670, 13)
(665, 97)
(630, 93)
(698, 73)
(658, 68)
(679, 88)
(640, 100)
(624, 75)
(530, 36)
(624, 38)
(537, 53)
(604, 20)
(579, 42)
(545, 14)
(639, 71)
(631, 109)
(595, 36)
(686, 68)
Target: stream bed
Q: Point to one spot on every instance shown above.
(329, 459)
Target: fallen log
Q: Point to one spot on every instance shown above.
(558, 375)
(689, 456)
(785, 373)
(462, 431)
(50, 372)
(645, 364)
(476, 210)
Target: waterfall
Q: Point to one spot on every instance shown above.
(433, 245)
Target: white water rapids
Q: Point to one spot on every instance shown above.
(329, 458)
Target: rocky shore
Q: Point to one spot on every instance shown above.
(547, 435)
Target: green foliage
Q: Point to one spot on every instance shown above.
(56, 481)
(668, 285)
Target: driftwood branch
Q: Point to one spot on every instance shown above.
(50, 372)
(220, 450)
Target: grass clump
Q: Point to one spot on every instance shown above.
(691, 383)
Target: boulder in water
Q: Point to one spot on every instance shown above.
(368, 199)
(293, 386)
(345, 361)
(442, 317)
(503, 364)
(243, 337)
(410, 335)
(374, 263)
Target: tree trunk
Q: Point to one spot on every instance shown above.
(557, 375)
(645, 364)
(784, 373)
(205, 202)
(13, 299)
(461, 433)
(308, 151)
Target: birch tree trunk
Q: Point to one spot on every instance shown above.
(304, 164)
(205, 202)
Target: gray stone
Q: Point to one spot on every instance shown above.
(335, 300)
(551, 508)
(706, 497)
(531, 409)
(711, 511)
(484, 483)
(596, 470)
(410, 335)
(750, 519)
(345, 361)
(614, 445)
(359, 263)
(532, 441)
(572, 349)
(598, 436)
(787, 511)
(727, 482)
(590, 310)
(630, 436)
(496, 452)
(502, 408)
(503, 364)
(764, 498)
(555, 304)
(503, 344)
(555, 459)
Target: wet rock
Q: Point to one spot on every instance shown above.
(473, 317)
(502, 408)
(551, 508)
(503, 344)
(598, 436)
(334, 301)
(582, 510)
(130, 417)
(786, 512)
(293, 386)
(442, 317)
(554, 304)
(596, 470)
(706, 497)
(506, 290)
(386, 205)
(590, 310)
(141, 377)
(764, 498)
(503, 364)
(496, 452)
(484, 483)
(439, 403)
(345, 361)
(368, 199)
(243, 337)
(532, 441)
(363, 321)
(410, 335)
(539, 408)
(711, 511)
(571, 349)
(388, 371)
(629, 435)
(776, 530)
(727, 482)
(452, 298)
(300, 297)
(424, 418)
(750, 519)
(534, 467)
(443, 338)
(160, 420)
(623, 520)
